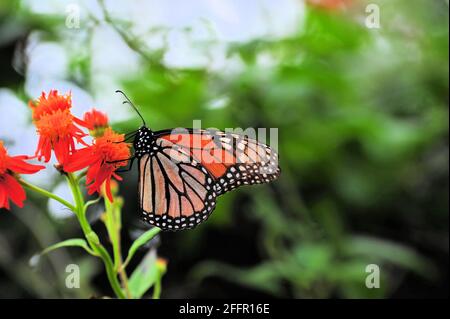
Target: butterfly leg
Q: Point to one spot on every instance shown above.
(131, 133)
(122, 160)
(130, 136)
(128, 168)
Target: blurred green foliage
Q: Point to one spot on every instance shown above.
(363, 141)
(362, 116)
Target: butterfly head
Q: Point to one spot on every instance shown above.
(143, 142)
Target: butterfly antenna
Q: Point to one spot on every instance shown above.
(132, 105)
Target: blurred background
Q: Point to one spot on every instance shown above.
(361, 110)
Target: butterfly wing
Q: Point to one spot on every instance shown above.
(180, 181)
(231, 159)
(176, 192)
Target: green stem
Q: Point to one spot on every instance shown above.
(47, 194)
(157, 289)
(112, 220)
(80, 211)
(111, 273)
(92, 237)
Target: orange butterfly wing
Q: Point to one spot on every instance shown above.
(232, 159)
(175, 191)
(179, 183)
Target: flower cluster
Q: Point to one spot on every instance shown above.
(60, 132)
(56, 126)
(10, 167)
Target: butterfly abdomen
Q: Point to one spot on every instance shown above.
(144, 142)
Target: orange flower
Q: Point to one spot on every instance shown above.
(56, 126)
(96, 122)
(9, 186)
(331, 5)
(102, 158)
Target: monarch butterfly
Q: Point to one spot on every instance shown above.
(182, 171)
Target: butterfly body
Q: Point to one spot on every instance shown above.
(183, 171)
(144, 142)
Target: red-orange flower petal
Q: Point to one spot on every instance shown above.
(95, 119)
(13, 190)
(18, 165)
(9, 186)
(331, 5)
(45, 105)
(101, 158)
(56, 126)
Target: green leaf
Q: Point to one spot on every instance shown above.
(265, 277)
(140, 241)
(74, 242)
(144, 276)
(90, 203)
(381, 250)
